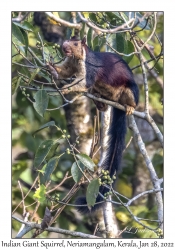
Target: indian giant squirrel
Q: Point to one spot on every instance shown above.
(105, 75)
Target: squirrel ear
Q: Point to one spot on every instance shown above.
(83, 40)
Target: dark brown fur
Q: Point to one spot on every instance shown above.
(104, 75)
(105, 84)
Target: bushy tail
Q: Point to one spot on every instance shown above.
(115, 147)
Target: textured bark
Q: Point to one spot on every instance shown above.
(105, 121)
(108, 215)
(79, 123)
(110, 221)
(141, 180)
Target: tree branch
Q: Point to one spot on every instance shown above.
(97, 29)
(20, 18)
(142, 194)
(29, 226)
(153, 175)
(63, 22)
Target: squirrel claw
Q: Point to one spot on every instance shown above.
(129, 109)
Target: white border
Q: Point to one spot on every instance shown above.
(5, 95)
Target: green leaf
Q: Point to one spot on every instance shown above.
(15, 83)
(40, 194)
(87, 161)
(42, 152)
(75, 171)
(118, 17)
(34, 73)
(68, 33)
(45, 75)
(23, 70)
(110, 15)
(97, 48)
(21, 48)
(130, 49)
(93, 17)
(118, 42)
(46, 125)
(157, 160)
(121, 44)
(53, 151)
(25, 26)
(47, 53)
(26, 41)
(49, 44)
(92, 192)
(41, 102)
(82, 31)
(89, 37)
(17, 42)
(17, 33)
(95, 43)
(48, 169)
(19, 168)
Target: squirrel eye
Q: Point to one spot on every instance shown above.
(75, 44)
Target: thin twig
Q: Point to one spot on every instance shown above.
(35, 57)
(31, 204)
(75, 205)
(24, 207)
(153, 72)
(96, 151)
(23, 65)
(93, 144)
(145, 81)
(142, 194)
(35, 210)
(27, 193)
(59, 91)
(96, 229)
(136, 218)
(67, 103)
(150, 60)
(66, 177)
(20, 53)
(15, 55)
(44, 60)
(127, 145)
(121, 54)
(153, 31)
(155, 128)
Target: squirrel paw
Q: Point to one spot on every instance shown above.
(100, 105)
(129, 109)
(65, 91)
(52, 70)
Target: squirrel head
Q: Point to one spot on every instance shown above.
(74, 47)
